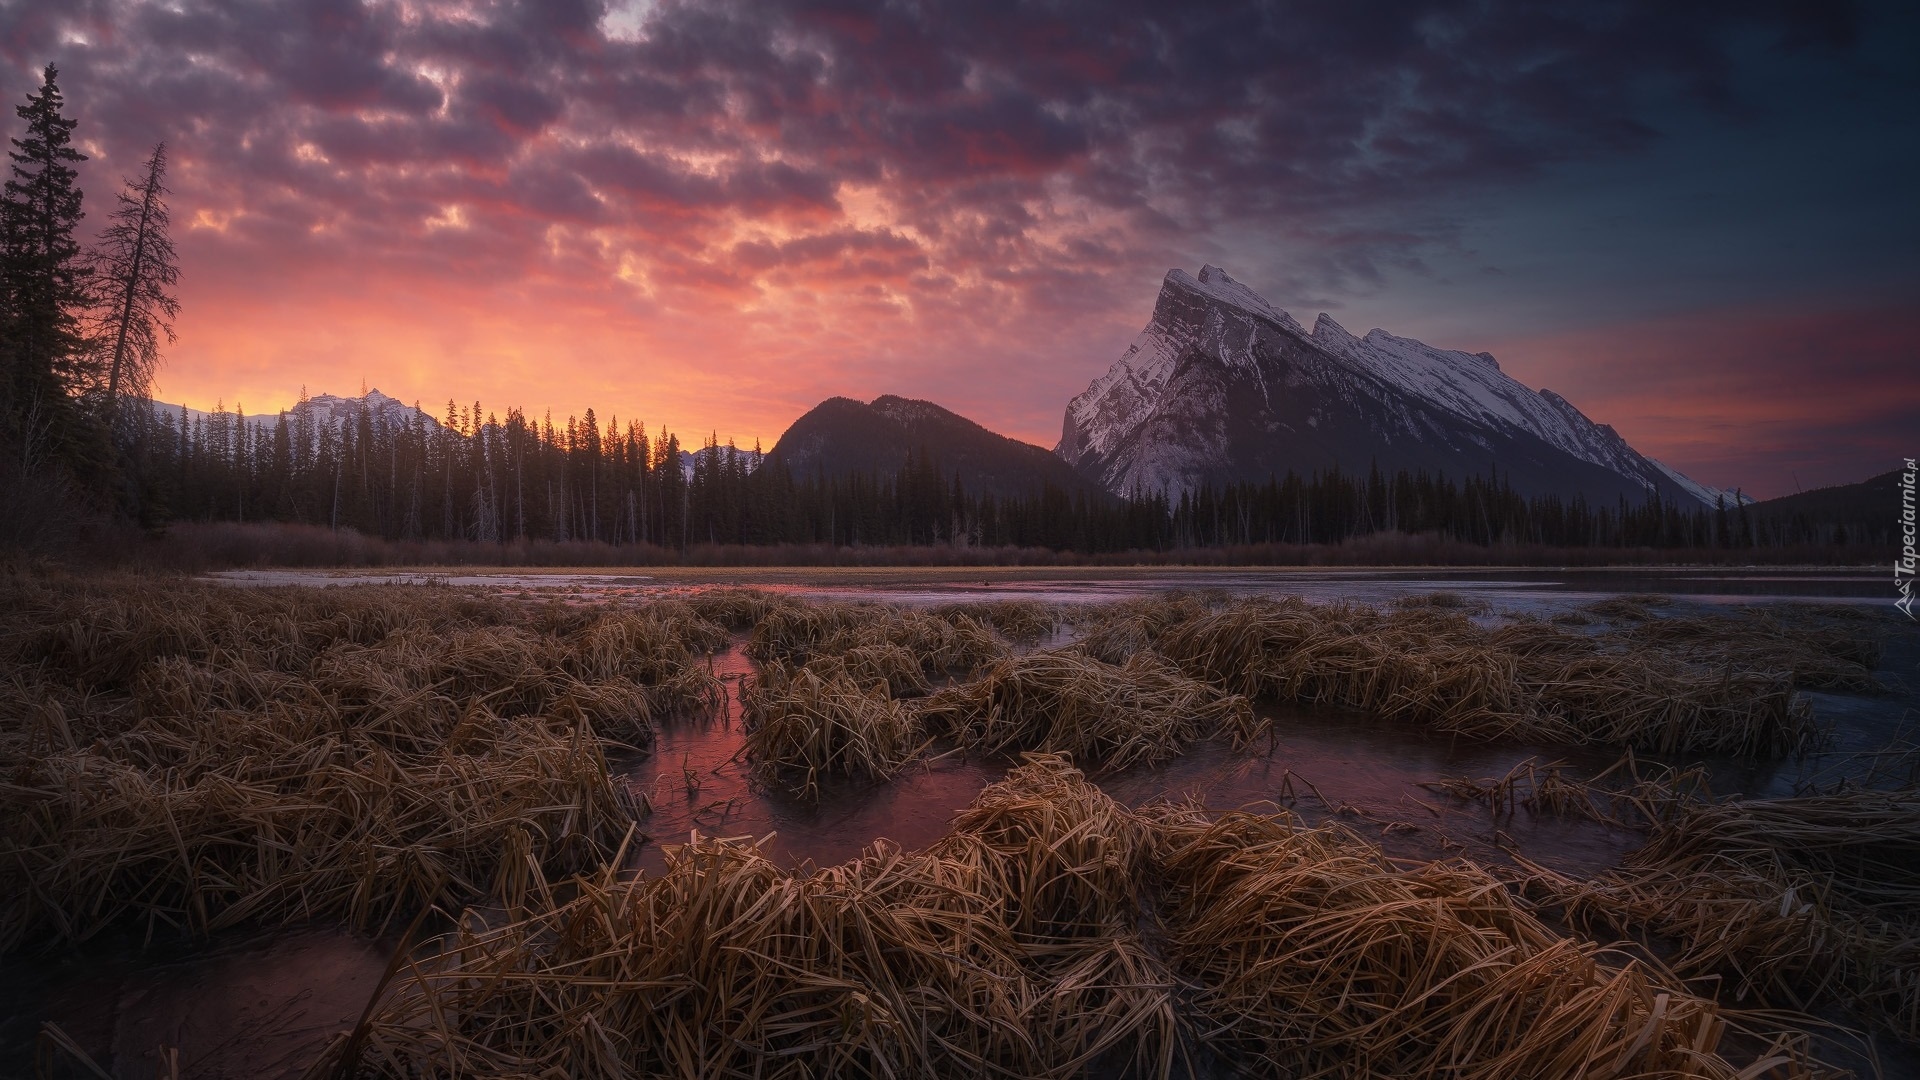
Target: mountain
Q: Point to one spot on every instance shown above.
(1222, 386)
(841, 436)
(691, 460)
(1869, 507)
(322, 410)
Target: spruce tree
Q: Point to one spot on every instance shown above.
(44, 282)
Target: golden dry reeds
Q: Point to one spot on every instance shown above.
(1027, 943)
(1803, 900)
(198, 756)
(1113, 632)
(1819, 648)
(890, 965)
(1313, 955)
(1023, 622)
(956, 644)
(1526, 681)
(809, 722)
(1107, 716)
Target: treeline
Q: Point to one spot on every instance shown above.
(82, 320)
(482, 478)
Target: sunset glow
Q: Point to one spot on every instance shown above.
(711, 217)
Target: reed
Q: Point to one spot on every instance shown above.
(1023, 622)
(889, 965)
(1525, 681)
(196, 756)
(1028, 942)
(956, 644)
(1808, 900)
(807, 723)
(1313, 955)
(1101, 715)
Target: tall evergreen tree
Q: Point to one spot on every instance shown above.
(136, 269)
(44, 281)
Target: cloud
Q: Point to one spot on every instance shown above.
(845, 184)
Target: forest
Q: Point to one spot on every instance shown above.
(477, 477)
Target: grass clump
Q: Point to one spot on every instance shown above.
(1314, 955)
(197, 756)
(809, 722)
(1532, 682)
(1027, 943)
(956, 644)
(1102, 715)
(1804, 900)
(1023, 622)
(890, 965)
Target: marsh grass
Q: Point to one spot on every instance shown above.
(806, 723)
(1023, 622)
(1525, 681)
(195, 757)
(952, 962)
(1028, 942)
(956, 644)
(1101, 715)
(1803, 901)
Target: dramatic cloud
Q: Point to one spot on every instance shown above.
(715, 214)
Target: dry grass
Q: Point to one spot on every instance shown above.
(1114, 632)
(1530, 681)
(737, 608)
(1625, 794)
(1101, 715)
(956, 644)
(1313, 955)
(1023, 622)
(197, 756)
(1025, 943)
(968, 960)
(806, 723)
(1802, 901)
(1444, 600)
(1817, 648)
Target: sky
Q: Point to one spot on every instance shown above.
(1699, 222)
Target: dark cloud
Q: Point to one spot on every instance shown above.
(1181, 117)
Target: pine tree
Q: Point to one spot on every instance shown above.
(136, 268)
(44, 283)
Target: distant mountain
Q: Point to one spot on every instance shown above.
(693, 459)
(324, 410)
(1872, 505)
(1221, 387)
(841, 436)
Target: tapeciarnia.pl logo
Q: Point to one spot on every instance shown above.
(1903, 566)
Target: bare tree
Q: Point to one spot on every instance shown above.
(136, 269)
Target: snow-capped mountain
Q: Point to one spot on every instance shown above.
(690, 460)
(1222, 386)
(319, 411)
(332, 409)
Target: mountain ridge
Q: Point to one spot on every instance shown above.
(1222, 386)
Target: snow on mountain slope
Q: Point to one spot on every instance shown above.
(320, 410)
(1712, 496)
(1221, 384)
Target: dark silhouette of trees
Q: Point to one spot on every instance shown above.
(43, 290)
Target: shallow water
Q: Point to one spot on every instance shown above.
(252, 1003)
(1525, 590)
